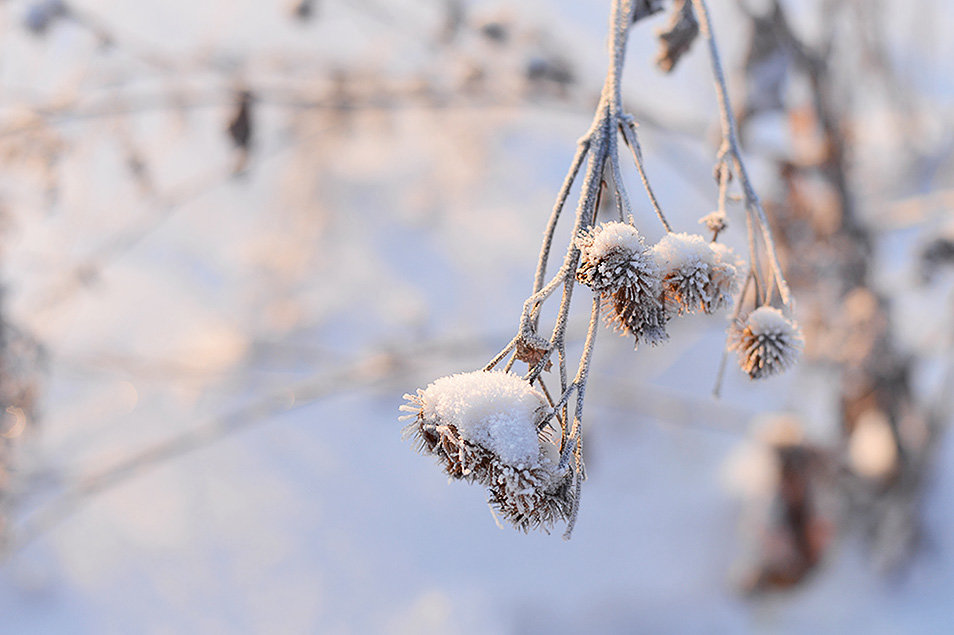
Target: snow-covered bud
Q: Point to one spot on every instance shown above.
(767, 342)
(485, 427)
(616, 263)
(696, 275)
(715, 222)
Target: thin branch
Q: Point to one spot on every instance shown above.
(628, 128)
(730, 136)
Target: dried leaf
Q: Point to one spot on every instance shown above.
(646, 8)
(677, 36)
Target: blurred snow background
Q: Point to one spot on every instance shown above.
(227, 338)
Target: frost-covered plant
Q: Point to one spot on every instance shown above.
(766, 341)
(488, 427)
(475, 423)
(696, 275)
(616, 264)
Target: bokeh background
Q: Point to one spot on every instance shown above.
(235, 233)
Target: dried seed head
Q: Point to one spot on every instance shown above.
(767, 342)
(725, 276)
(616, 263)
(612, 256)
(715, 222)
(531, 348)
(474, 421)
(638, 311)
(696, 275)
(532, 498)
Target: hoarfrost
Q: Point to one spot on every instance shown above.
(493, 409)
(675, 251)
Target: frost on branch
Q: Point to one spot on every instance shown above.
(485, 427)
(767, 342)
(696, 275)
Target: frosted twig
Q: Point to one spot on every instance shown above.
(582, 147)
(753, 203)
(628, 128)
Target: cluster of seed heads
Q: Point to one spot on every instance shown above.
(472, 422)
(645, 287)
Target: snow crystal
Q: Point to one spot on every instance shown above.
(493, 409)
(675, 251)
(609, 237)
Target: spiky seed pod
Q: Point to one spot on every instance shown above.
(611, 257)
(616, 264)
(532, 498)
(696, 275)
(638, 311)
(725, 276)
(475, 421)
(766, 341)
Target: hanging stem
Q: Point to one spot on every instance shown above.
(727, 118)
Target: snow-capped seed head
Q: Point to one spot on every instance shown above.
(767, 342)
(475, 421)
(715, 222)
(532, 498)
(725, 276)
(696, 275)
(616, 264)
(612, 255)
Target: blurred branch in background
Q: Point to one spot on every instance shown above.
(830, 226)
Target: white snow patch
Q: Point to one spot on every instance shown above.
(613, 236)
(495, 410)
(675, 251)
(768, 320)
(724, 255)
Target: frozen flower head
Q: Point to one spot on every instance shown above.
(767, 342)
(616, 264)
(532, 498)
(613, 256)
(471, 420)
(724, 276)
(485, 427)
(637, 311)
(696, 275)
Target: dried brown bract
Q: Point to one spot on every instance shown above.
(767, 342)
